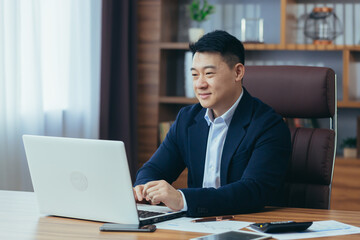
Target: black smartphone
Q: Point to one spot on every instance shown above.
(115, 227)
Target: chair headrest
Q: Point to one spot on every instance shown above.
(293, 91)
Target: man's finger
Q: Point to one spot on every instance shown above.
(138, 192)
(148, 187)
(135, 195)
(156, 197)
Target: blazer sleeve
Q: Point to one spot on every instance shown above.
(167, 162)
(265, 170)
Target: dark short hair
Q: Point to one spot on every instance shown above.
(229, 47)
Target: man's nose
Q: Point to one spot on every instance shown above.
(201, 82)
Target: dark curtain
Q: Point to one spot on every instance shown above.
(118, 108)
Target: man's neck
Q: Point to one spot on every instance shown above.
(220, 113)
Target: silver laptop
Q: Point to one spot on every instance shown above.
(87, 179)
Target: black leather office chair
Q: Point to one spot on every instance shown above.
(302, 92)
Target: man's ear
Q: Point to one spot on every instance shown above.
(239, 72)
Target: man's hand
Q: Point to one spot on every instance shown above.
(160, 191)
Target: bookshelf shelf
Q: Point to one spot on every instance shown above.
(174, 45)
(185, 100)
(178, 100)
(313, 47)
(348, 161)
(348, 104)
(261, 47)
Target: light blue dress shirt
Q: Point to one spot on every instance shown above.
(216, 139)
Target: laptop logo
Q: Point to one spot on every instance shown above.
(79, 181)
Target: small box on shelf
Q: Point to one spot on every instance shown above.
(349, 147)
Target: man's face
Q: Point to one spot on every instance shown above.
(216, 85)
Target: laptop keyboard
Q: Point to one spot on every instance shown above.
(146, 214)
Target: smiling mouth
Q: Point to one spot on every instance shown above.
(204, 95)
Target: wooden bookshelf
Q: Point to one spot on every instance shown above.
(159, 55)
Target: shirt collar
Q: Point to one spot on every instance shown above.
(226, 117)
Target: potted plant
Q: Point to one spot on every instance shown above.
(349, 146)
(199, 11)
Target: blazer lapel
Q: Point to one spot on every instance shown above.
(197, 140)
(236, 133)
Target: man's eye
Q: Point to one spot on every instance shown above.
(194, 74)
(209, 73)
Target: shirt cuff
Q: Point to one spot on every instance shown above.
(185, 208)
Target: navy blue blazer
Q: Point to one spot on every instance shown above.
(253, 165)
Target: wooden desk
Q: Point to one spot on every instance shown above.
(19, 219)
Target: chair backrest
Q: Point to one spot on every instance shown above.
(302, 92)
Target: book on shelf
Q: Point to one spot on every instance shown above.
(188, 84)
(164, 128)
(358, 136)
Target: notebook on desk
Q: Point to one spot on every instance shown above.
(86, 179)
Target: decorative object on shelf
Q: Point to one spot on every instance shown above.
(199, 13)
(195, 34)
(189, 89)
(322, 25)
(252, 30)
(302, 122)
(349, 147)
